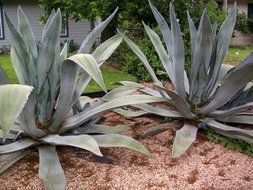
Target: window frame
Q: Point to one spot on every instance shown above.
(66, 29)
(2, 37)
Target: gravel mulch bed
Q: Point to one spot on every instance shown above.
(205, 165)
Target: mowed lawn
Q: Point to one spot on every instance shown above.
(110, 75)
(236, 55)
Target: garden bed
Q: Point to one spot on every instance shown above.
(205, 166)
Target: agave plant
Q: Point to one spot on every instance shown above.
(214, 96)
(55, 113)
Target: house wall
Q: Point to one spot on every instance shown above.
(77, 30)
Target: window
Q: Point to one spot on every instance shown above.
(1, 23)
(250, 10)
(64, 27)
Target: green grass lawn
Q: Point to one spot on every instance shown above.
(236, 55)
(110, 75)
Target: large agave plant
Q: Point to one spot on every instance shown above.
(55, 114)
(214, 95)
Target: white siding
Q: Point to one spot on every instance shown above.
(77, 30)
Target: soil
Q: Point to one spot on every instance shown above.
(205, 165)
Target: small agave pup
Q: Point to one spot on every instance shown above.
(55, 114)
(214, 95)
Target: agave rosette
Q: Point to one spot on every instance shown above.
(55, 113)
(214, 96)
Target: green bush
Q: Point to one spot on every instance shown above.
(130, 62)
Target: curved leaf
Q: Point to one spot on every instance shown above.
(91, 38)
(17, 146)
(142, 57)
(242, 119)
(184, 139)
(50, 169)
(142, 88)
(89, 64)
(118, 92)
(85, 142)
(164, 57)
(180, 104)
(80, 118)
(234, 132)
(8, 160)
(105, 50)
(115, 140)
(234, 82)
(12, 100)
(129, 113)
(103, 129)
(178, 55)
(158, 111)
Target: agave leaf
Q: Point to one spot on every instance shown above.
(89, 64)
(50, 169)
(201, 58)
(17, 66)
(12, 100)
(222, 43)
(50, 38)
(244, 97)
(223, 72)
(27, 118)
(27, 35)
(115, 140)
(180, 104)
(193, 34)
(82, 117)
(142, 88)
(164, 57)
(118, 92)
(231, 85)
(101, 54)
(64, 52)
(103, 129)
(242, 119)
(91, 38)
(184, 139)
(85, 142)
(157, 129)
(203, 46)
(23, 59)
(158, 111)
(69, 75)
(17, 146)
(232, 111)
(104, 51)
(178, 53)
(48, 66)
(142, 57)
(242, 134)
(163, 27)
(8, 160)
(4, 79)
(129, 113)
